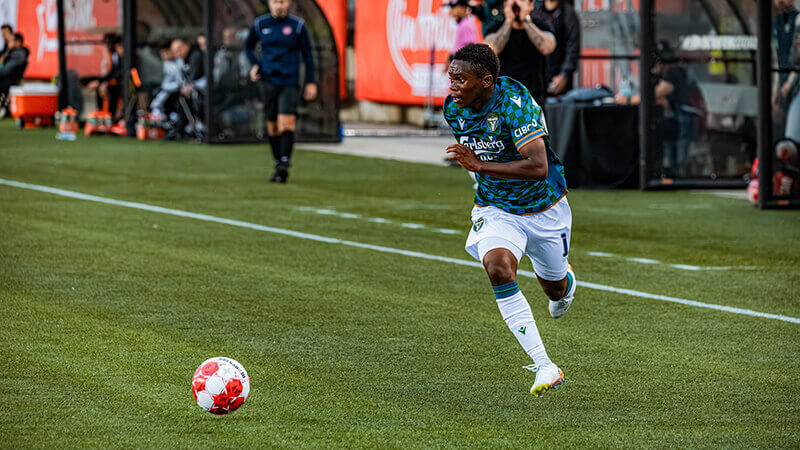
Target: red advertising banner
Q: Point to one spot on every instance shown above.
(37, 20)
(336, 13)
(401, 50)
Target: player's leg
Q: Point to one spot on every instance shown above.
(269, 94)
(549, 235)
(287, 117)
(498, 244)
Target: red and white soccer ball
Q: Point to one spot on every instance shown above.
(220, 385)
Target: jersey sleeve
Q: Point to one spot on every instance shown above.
(250, 46)
(449, 117)
(524, 118)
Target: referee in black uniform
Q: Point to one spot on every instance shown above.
(284, 40)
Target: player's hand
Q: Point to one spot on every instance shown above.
(310, 92)
(255, 74)
(464, 155)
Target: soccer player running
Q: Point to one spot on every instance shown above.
(284, 38)
(520, 204)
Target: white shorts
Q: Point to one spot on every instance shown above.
(544, 236)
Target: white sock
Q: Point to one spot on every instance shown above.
(518, 316)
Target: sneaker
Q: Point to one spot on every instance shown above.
(548, 377)
(281, 174)
(559, 307)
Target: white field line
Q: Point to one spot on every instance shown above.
(674, 266)
(419, 226)
(412, 226)
(378, 248)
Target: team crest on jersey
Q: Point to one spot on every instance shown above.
(478, 224)
(492, 121)
(287, 30)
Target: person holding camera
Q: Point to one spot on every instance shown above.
(522, 42)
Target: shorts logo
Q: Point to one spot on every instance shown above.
(492, 121)
(478, 224)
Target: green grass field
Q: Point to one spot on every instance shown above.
(109, 310)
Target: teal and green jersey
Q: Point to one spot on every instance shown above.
(510, 120)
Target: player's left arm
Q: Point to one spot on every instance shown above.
(532, 166)
(310, 91)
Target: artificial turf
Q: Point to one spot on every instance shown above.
(108, 310)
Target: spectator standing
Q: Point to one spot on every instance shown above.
(284, 39)
(466, 32)
(7, 34)
(522, 42)
(562, 63)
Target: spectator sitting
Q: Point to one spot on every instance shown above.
(181, 90)
(7, 33)
(171, 82)
(191, 59)
(521, 42)
(109, 87)
(15, 62)
(562, 63)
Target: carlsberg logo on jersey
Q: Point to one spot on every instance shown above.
(491, 146)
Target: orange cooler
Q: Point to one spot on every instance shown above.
(34, 100)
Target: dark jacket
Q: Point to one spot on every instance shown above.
(14, 65)
(567, 30)
(196, 62)
(283, 42)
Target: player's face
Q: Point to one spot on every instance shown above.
(279, 8)
(466, 88)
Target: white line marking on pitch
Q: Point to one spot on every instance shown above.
(419, 226)
(378, 248)
(674, 266)
(413, 226)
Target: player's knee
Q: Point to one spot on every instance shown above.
(286, 123)
(501, 266)
(272, 128)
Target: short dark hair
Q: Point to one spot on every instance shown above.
(481, 58)
(6, 27)
(18, 37)
(165, 45)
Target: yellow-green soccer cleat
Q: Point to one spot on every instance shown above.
(548, 377)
